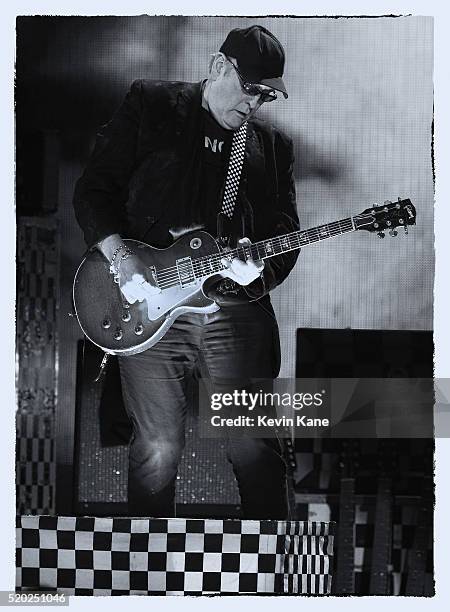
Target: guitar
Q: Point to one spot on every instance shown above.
(344, 583)
(417, 584)
(381, 564)
(181, 271)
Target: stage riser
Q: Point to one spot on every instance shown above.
(106, 556)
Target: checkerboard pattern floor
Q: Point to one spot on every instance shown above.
(125, 556)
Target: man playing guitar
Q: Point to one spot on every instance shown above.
(160, 166)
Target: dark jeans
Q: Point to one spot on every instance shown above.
(237, 343)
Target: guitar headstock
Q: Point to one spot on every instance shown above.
(389, 216)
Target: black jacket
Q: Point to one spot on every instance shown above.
(145, 162)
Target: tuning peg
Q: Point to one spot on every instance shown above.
(380, 234)
(393, 232)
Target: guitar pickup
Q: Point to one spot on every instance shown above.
(185, 271)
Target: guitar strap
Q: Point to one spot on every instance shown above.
(232, 181)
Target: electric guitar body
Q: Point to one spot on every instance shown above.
(120, 328)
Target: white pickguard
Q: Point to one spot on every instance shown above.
(167, 300)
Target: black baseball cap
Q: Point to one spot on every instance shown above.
(260, 56)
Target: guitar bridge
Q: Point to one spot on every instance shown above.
(154, 276)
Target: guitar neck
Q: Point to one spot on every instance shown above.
(382, 540)
(295, 240)
(209, 265)
(345, 573)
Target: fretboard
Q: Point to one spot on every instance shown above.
(299, 239)
(211, 264)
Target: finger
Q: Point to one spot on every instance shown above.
(248, 271)
(133, 289)
(144, 287)
(137, 278)
(237, 266)
(253, 264)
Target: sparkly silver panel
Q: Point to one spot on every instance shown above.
(205, 475)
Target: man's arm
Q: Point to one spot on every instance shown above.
(102, 190)
(277, 268)
(133, 276)
(109, 245)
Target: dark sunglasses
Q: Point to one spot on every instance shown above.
(254, 90)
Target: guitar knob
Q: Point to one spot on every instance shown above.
(380, 234)
(138, 329)
(118, 334)
(393, 232)
(106, 323)
(126, 316)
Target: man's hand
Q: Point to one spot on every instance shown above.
(135, 279)
(243, 272)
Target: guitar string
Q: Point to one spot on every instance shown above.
(276, 240)
(292, 241)
(296, 236)
(169, 277)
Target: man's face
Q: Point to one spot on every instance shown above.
(229, 104)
